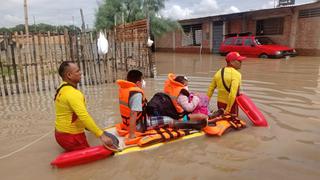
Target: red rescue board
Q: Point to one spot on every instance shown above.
(251, 110)
(81, 156)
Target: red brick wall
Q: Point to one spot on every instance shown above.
(308, 33)
(308, 36)
(165, 41)
(284, 38)
(234, 26)
(178, 36)
(206, 35)
(252, 26)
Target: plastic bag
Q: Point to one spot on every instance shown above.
(102, 44)
(149, 42)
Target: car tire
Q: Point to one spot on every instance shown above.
(263, 56)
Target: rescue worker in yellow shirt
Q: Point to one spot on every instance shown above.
(71, 113)
(228, 80)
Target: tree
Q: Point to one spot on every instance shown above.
(42, 27)
(112, 12)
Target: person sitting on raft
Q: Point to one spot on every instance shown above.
(71, 112)
(133, 103)
(177, 88)
(228, 80)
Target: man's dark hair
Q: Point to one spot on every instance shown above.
(134, 76)
(63, 66)
(181, 79)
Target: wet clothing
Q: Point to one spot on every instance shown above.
(72, 116)
(187, 105)
(232, 79)
(151, 122)
(71, 142)
(234, 108)
(154, 122)
(135, 102)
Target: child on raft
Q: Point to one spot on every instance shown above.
(177, 88)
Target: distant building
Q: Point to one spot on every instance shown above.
(294, 26)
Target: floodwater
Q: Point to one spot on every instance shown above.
(286, 90)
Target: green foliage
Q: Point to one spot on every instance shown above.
(106, 14)
(40, 28)
(3, 29)
(126, 11)
(159, 26)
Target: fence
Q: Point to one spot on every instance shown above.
(29, 64)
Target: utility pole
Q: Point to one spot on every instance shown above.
(26, 26)
(34, 24)
(83, 26)
(73, 22)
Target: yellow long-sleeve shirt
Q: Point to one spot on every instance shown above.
(71, 112)
(232, 78)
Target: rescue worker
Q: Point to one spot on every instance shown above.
(228, 80)
(72, 117)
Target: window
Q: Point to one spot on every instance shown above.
(198, 37)
(238, 42)
(307, 13)
(248, 42)
(228, 41)
(192, 35)
(263, 41)
(271, 26)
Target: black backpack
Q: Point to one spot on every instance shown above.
(161, 105)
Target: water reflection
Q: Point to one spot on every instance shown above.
(286, 91)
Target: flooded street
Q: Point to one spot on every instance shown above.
(286, 91)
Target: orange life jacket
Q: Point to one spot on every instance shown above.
(163, 134)
(173, 89)
(150, 136)
(126, 91)
(222, 125)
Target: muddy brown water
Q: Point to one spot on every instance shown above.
(286, 91)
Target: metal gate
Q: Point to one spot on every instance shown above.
(217, 35)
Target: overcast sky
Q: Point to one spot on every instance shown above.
(66, 12)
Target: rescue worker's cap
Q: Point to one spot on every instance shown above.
(234, 56)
